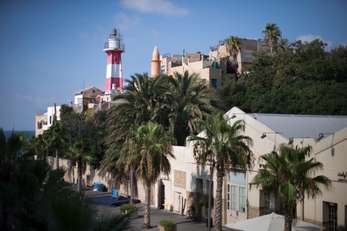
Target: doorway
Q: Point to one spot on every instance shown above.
(161, 195)
(329, 216)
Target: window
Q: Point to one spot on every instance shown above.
(242, 199)
(228, 196)
(233, 205)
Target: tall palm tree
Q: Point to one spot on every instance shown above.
(56, 141)
(269, 176)
(303, 167)
(272, 35)
(39, 146)
(289, 175)
(189, 104)
(152, 147)
(144, 100)
(233, 46)
(225, 148)
(80, 154)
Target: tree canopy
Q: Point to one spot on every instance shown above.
(303, 78)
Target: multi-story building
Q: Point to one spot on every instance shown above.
(197, 63)
(239, 63)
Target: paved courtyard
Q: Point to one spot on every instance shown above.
(101, 202)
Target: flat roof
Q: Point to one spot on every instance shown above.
(296, 126)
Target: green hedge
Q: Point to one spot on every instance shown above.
(168, 225)
(127, 208)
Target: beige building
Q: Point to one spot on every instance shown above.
(197, 63)
(245, 56)
(188, 182)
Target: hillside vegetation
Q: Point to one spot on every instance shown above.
(300, 78)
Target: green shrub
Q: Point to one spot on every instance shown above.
(127, 209)
(168, 225)
(114, 223)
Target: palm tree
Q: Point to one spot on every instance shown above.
(152, 147)
(189, 104)
(144, 100)
(289, 175)
(233, 46)
(303, 166)
(269, 177)
(79, 154)
(272, 35)
(39, 146)
(56, 141)
(224, 148)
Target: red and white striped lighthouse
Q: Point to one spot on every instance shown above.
(114, 48)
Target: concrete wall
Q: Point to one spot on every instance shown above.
(331, 151)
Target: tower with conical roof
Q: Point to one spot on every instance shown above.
(155, 63)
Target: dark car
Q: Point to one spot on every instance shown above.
(98, 187)
(121, 200)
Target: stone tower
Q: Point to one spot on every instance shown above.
(155, 63)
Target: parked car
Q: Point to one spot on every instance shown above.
(121, 200)
(99, 187)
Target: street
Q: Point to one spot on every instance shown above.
(101, 202)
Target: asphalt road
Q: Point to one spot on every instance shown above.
(102, 204)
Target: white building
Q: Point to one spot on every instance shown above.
(326, 134)
(44, 121)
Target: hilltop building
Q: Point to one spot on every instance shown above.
(219, 62)
(197, 63)
(87, 98)
(44, 121)
(239, 63)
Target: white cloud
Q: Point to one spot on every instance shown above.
(310, 37)
(154, 6)
(126, 21)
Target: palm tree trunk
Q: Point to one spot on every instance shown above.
(56, 159)
(131, 175)
(218, 215)
(147, 215)
(210, 191)
(303, 209)
(79, 184)
(288, 219)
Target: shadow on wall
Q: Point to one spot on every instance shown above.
(198, 198)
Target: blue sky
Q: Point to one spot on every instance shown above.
(49, 49)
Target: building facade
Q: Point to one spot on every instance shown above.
(185, 189)
(197, 63)
(239, 63)
(44, 121)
